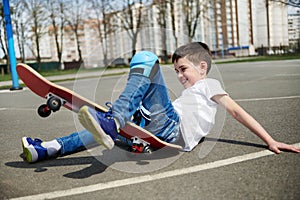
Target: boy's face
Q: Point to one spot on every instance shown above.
(187, 73)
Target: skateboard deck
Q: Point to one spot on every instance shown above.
(57, 96)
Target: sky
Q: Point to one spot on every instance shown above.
(291, 10)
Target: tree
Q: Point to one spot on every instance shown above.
(191, 12)
(294, 3)
(101, 10)
(131, 18)
(38, 21)
(21, 29)
(162, 7)
(172, 13)
(74, 19)
(3, 43)
(56, 9)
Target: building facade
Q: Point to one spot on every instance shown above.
(232, 26)
(294, 30)
(242, 23)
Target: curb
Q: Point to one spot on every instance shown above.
(75, 76)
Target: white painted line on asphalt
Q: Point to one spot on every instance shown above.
(267, 98)
(287, 75)
(148, 178)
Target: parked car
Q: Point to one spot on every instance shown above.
(119, 62)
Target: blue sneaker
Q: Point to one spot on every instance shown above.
(101, 124)
(33, 150)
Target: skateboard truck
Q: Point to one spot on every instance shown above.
(53, 104)
(140, 146)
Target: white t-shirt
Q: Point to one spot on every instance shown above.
(197, 110)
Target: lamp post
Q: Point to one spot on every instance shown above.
(11, 49)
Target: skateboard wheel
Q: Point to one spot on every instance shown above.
(44, 111)
(147, 149)
(54, 103)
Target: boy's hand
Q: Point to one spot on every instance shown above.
(243, 117)
(278, 146)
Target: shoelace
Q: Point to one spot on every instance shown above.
(108, 114)
(37, 140)
(108, 105)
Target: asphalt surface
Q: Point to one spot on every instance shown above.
(231, 163)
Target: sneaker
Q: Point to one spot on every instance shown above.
(33, 150)
(101, 124)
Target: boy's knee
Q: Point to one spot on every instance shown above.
(144, 63)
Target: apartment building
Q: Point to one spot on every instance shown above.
(294, 30)
(246, 23)
(236, 26)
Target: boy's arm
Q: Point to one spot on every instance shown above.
(247, 120)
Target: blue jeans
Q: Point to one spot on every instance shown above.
(152, 93)
(75, 142)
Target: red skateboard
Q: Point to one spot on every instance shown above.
(57, 96)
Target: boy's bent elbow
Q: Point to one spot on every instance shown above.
(231, 106)
(235, 114)
(240, 115)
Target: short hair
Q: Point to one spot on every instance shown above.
(195, 52)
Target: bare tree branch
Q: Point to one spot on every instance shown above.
(56, 9)
(38, 22)
(132, 19)
(294, 3)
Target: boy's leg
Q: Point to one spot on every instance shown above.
(145, 85)
(152, 92)
(164, 118)
(36, 150)
(75, 142)
(104, 126)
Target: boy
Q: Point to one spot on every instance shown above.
(188, 119)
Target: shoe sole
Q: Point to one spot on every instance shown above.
(88, 122)
(29, 152)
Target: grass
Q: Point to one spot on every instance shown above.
(262, 58)
(7, 77)
(53, 72)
